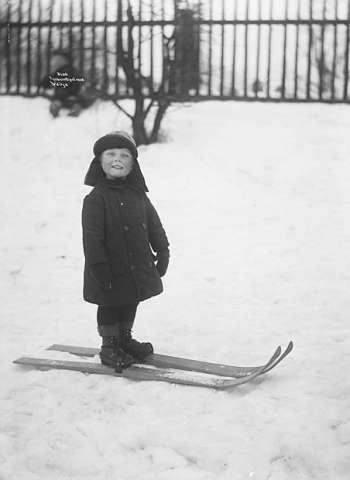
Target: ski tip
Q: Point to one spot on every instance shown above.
(21, 361)
(277, 353)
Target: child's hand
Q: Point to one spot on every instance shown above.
(162, 262)
(102, 273)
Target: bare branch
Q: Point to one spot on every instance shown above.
(122, 109)
(149, 106)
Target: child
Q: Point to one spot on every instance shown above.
(67, 91)
(120, 225)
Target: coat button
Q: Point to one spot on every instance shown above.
(126, 228)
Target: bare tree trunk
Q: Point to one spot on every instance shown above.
(162, 108)
(159, 100)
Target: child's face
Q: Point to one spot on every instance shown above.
(116, 162)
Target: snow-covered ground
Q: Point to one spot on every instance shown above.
(256, 201)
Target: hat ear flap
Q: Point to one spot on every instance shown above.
(94, 173)
(136, 177)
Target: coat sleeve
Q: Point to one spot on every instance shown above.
(157, 236)
(93, 230)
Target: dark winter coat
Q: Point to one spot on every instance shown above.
(121, 228)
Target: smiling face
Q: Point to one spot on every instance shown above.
(116, 162)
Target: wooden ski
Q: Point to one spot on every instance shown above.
(151, 373)
(167, 361)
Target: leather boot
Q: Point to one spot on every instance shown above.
(139, 350)
(111, 353)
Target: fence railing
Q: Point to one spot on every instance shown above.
(279, 50)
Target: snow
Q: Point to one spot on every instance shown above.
(255, 200)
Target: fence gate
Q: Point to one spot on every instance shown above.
(274, 50)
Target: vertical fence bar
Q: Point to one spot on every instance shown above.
(175, 87)
(70, 28)
(3, 33)
(246, 38)
(269, 53)
(152, 46)
(61, 28)
(286, 15)
(296, 58)
(8, 48)
(130, 28)
(82, 39)
(29, 50)
(162, 40)
(3, 36)
(222, 65)
(335, 49)
(118, 46)
(139, 52)
(49, 39)
(38, 58)
(198, 49)
(105, 47)
(321, 65)
(70, 31)
(346, 59)
(210, 47)
(93, 48)
(233, 80)
(308, 86)
(257, 72)
(18, 53)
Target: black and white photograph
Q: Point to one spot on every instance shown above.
(175, 242)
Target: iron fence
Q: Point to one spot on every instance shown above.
(273, 50)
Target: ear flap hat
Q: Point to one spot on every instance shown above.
(117, 139)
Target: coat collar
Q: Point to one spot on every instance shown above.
(117, 184)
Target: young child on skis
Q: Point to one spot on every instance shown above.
(121, 230)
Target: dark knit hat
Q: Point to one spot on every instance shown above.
(116, 139)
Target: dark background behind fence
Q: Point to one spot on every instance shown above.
(266, 50)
